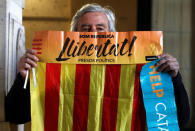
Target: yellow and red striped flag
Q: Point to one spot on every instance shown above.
(82, 97)
(78, 89)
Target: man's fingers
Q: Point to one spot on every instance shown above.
(27, 66)
(160, 62)
(31, 51)
(162, 67)
(27, 61)
(166, 66)
(168, 59)
(31, 62)
(31, 56)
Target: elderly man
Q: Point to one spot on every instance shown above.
(90, 18)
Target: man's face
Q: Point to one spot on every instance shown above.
(93, 22)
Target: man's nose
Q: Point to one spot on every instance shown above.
(93, 29)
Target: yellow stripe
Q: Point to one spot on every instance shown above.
(97, 79)
(67, 85)
(38, 98)
(125, 100)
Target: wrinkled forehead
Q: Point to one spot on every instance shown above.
(93, 18)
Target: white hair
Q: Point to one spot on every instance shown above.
(93, 8)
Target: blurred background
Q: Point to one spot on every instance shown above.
(174, 17)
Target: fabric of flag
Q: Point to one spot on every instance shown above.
(78, 97)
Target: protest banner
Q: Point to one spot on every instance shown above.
(97, 47)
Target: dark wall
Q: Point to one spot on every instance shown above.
(144, 14)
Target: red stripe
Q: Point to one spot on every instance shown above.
(110, 101)
(37, 48)
(138, 113)
(52, 91)
(81, 97)
(39, 52)
(37, 39)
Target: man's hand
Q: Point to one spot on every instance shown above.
(27, 61)
(168, 64)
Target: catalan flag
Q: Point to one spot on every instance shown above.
(78, 97)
